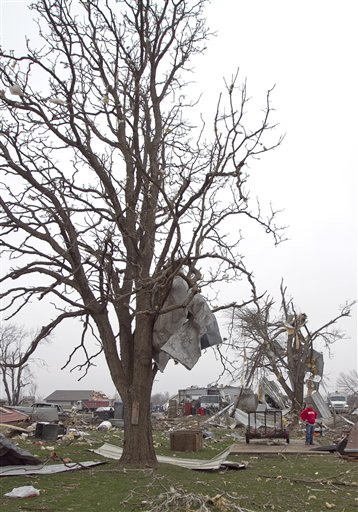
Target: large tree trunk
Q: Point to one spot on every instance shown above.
(138, 447)
(298, 395)
(133, 376)
(297, 375)
(296, 361)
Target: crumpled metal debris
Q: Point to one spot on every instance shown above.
(181, 334)
(272, 394)
(111, 451)
(352, 441)
(12, 455)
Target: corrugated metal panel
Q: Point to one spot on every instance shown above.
(272, 390)
(46, 470)
(114, 452)
(320, 405)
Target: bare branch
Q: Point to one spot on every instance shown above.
(111, 192)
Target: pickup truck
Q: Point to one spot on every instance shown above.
(41, 411)
(338, 402)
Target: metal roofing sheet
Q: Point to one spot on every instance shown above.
(320, 405)
(111, 451)
(70, 395)
(46, 470)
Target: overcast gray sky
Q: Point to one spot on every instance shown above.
(308, 51)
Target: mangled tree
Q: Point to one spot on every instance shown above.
(111, 195)
(15, 377)
(283, 346)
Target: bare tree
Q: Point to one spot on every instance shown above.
(348, 384)
(283, 347)
(15, 379)
(160, 398)
(110, 192)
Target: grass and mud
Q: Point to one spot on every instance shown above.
(284, 483)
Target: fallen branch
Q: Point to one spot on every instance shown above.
(172, 498)
(330, 480)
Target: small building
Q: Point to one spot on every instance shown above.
(70, 397)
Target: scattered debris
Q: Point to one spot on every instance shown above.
(351, 448)
(272, 394)
(12, 416)
(14, 430)
(332, 480)
(223, 413)
(12, 455)
(180, 499)
(104, 426)
(27, 491)
(241, 418)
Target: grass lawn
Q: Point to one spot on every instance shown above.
(292, 483)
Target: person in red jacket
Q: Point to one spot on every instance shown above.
(309, 415)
